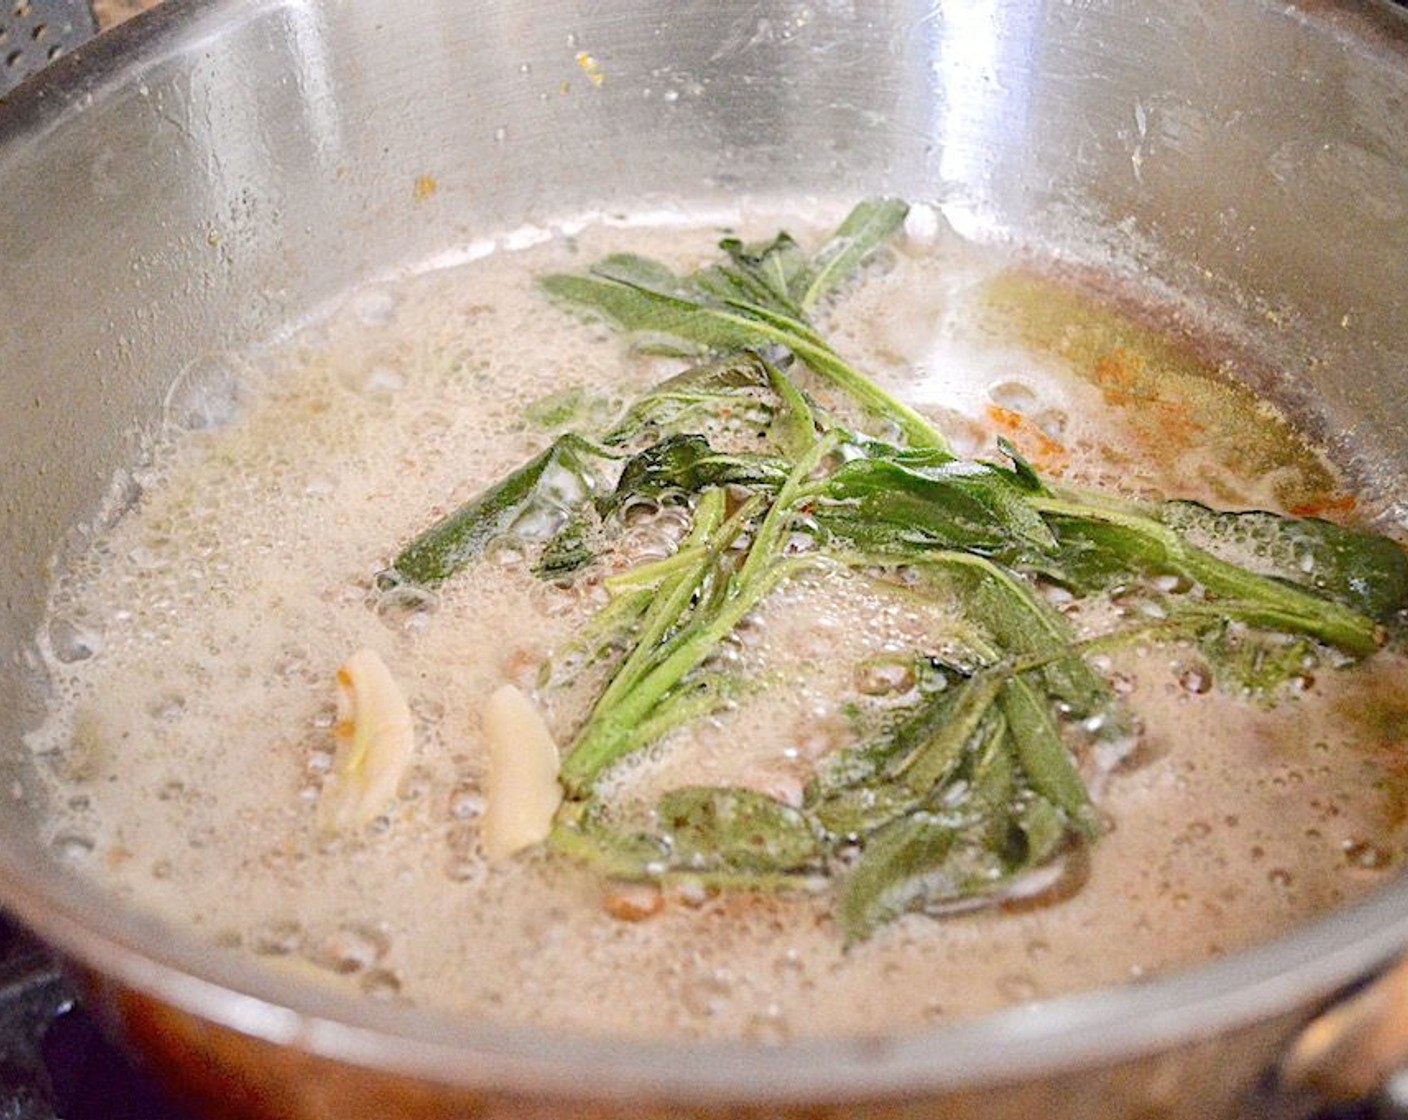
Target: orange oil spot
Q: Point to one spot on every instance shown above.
(1118, 371)
(1338, 505)
(1027, 437)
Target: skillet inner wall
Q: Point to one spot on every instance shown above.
(247, 161)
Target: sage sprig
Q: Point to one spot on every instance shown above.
(971, 783)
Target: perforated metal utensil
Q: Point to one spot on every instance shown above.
(35, 32)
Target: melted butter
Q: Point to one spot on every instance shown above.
(193, 653)
(1182, 426)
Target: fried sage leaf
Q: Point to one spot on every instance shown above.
(717, 828)
(759, 299)
(1363, 571)
(537, 499)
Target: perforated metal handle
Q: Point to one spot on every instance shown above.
(35, 32)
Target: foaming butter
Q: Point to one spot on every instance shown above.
(193, 650)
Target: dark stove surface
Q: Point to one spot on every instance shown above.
(54, 1062)
(92, 1080)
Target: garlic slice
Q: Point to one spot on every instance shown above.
(522, 792)
(375, 742)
